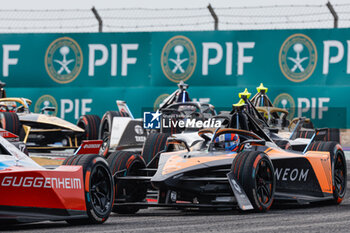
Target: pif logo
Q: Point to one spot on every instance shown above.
(285, 101)
(178, 59)
(63, 60)
(46, 101)
(298, 58)
(159, 100)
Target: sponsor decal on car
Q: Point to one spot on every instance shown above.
(41, 182)
(91, 146)
(138, 129)
(291, 174)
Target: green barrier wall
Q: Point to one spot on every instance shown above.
(307, 71)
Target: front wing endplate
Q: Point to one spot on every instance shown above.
(241, 197)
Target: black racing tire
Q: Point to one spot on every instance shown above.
(339, 169)
(68, 160)
(125, 163)
(91, 125)
(99, 197)
(105, 130)
(255, 173)
(9, 121)
(284, 144)
(305, 133)
(154, 143)
(333, 135)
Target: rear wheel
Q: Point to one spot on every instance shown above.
(123, 164)
(155, 142)
(90, 124)
(105, 129)
(100, 194)
(339, 169)
(255, 172)
(9, 121)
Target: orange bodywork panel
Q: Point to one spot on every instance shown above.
(319, 160)
(178, 162)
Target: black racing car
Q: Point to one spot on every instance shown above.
(120, 130)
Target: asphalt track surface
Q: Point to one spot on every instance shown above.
(281, 218)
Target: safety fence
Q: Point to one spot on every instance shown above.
(176, 19)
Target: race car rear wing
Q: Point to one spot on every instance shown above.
(8, 135)
(89, 147)
(297, 128)
(123, 107)
(319, 135)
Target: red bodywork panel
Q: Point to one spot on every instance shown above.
(7, 134)
(89, 147)
(62, 188)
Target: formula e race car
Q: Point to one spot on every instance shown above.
(278, 118)
(42, 131)
(206, 171)
(119, 130)
(276, 125)
(178, 106)
(81, 193)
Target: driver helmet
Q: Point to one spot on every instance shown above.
(229, 140)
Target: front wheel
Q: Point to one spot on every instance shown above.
(255, 172)
(100, 193)
(125, 163)
(154, 143)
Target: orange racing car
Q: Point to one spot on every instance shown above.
(227, 167)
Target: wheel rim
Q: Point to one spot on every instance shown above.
(105, 137)
(264, 182)
(101, 190)
(339, 174)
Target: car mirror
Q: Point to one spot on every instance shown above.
(45, 110)
(174, 144)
